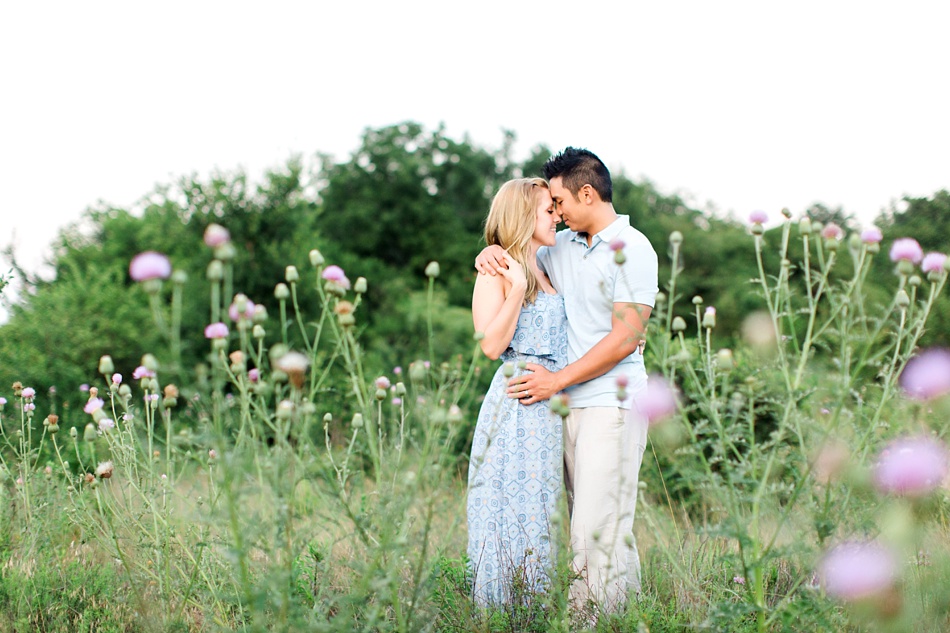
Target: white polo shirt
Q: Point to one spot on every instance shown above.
(591, 282)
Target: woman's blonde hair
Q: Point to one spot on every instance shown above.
(511, 222)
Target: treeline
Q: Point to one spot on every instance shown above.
(406, 197)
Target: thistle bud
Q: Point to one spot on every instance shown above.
(106, 366)
(724, 360)
(804, 226)
(316, 258)
(676, 238)
(73, 433)
(679, 324)
(418, 371)
(660, 298)
(914, 281)
(215, 271)
(291, 274)
(709, 318)
(357, 420)
(508, 370)
(225, 252)
(327, 417)
(757, 229)
(786, 213)
(432, 270)
(90, 434)
(150, 362)
(282, 292)
(258, 332)
(697, 300)
(905, 267)
(285, 410)
(360, 286)
(179, 278)
(400, 389)
(902, 299)
(619, 258)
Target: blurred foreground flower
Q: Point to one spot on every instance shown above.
(933, 263)
(758, 217)
(150, 265)
(216, 331)
(294, 364)
(906, 249)
(855, 570)
(658, 402)
(104, 470)
(911, 466)
(871, 235)
(927, 375)
(216, 235)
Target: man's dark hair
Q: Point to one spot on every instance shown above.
(579, 167)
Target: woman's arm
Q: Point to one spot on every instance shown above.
(496, 304)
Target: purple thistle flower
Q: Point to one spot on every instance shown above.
(927, 375)
(216, 330)
(28, 392)
(83, 387)
(622, 380)
(832, 232)
(116, 379)
(617, 245)
(871, 235)
(29, 406)
(911, 466)
(855, 570)
(93, 405)
(216, 235)
(106, 424)
(906, 249)
(658, 401)
(3, 401)
(396, 402)
(150, 265)
(248, 311)
(383, 383)
(397, 370)
(758, 217)
(142, 372)
(254, 374)
(335, 274)
(739, 580)
(933, 263)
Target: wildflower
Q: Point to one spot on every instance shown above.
(93, 405)
(383, 383)
(906, 249)
(927, 376)
(316, 258)
(432, 270)
(150, 265)
(89, 478)
(106, 424)
(397, 370)
(617, 244)
(294, 364)
(281, 292)
(116, 379)
(856, 570)
(871, 235)
(216, 235)
(215, 271)
(911, 466)
(676, 238)
(357, 420)
(804, 227)
(104, 470)
(212, 454)
(336, 274)
(709, 317)
(28, 393)
(832, 231)
(739, 580)
(216, 331)
(396, 402)
(933, 263)
(260, 314)
(29, 407)
(170, 391)
(291, 274)
(84, 387)
(679, 324)
(142, 372)
(658, 401)
(724, 360)
(106, 366)
(254, 374)
(3, 401)
(455, 413)
(758, 217)
(360, 286)
(622, 380)
(241, 308)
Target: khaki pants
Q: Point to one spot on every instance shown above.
(603, 449)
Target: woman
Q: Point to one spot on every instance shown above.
(515, 473)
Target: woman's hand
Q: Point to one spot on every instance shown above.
(514, 274)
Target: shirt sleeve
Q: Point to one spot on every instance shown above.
(637, 278)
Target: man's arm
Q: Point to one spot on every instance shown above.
(628, 328)
(490, 260)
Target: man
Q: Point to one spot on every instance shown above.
(608, 304)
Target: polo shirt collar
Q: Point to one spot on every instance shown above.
(610, 232)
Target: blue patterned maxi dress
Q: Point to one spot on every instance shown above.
(515, 473)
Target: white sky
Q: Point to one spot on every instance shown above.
(747, 105)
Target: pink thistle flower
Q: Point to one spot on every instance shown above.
(832, 232)
(617, 245)
(3, 401)
(142, 372)
(150, 265)
(336, 275)
(152, 397)
(383, 383)
(397, 370)
(658, 401)
(127, 417)
(216, 235)
(396, 402)
(216, 331)
(84, 387)
(116, 379)
(933, 263)
(28, 392)
(871, 235)
(906, 249)
(927, 375)
(248, 313)
(855, 570)
(254, 374)
(29, 406)
(106, 424)
(739, 580)
(622, 380)
(758, 217)
(911, 466)
(93, 405)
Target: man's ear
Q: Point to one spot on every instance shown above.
(588, 194)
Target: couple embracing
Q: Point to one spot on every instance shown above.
(567, 312)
